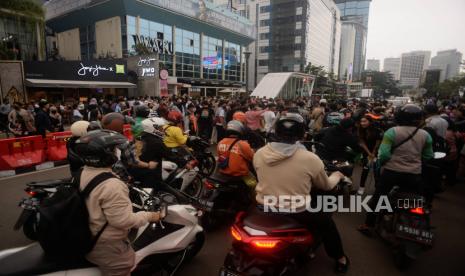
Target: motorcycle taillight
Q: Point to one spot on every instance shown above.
(418, 211)
(209, 185)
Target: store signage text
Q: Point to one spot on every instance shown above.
(147, 69)
(95, 69)
(154, 45)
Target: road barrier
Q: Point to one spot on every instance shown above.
(21, 152)
(18, 154)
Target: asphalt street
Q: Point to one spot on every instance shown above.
(369, 256)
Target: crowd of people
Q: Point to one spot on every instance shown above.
(262, 139)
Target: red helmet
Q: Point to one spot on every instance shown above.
(174, 116)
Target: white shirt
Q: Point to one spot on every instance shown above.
(220, 113)
(76, 113)
(269, 118)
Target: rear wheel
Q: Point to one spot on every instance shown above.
(194, 188)
(30, 227)
(207, 164)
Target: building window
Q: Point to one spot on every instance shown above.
(265, 36)
(298, 11)
(298, 39)
(265, 9)
(187, 54)
(212, 60)
(232, 61)
(297, 53)
(263, 62)
(296, 67)
(265, 49)
(264, 23)
(298, 25)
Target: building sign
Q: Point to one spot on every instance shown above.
(11, 81)
(154, 45)
(114, 70)
(146, 67)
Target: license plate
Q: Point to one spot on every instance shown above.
(226, 272)
(415, 234)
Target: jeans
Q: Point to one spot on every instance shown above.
(406, 181)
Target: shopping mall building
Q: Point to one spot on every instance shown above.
(167, 46)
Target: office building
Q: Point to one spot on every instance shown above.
(373, 65)
(347, 52)
(431, 77)
(291, 34)
(412, 66)
(448, 62)
(392, 65)
(197, 46)
(356, 13)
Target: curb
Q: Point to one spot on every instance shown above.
(40, 167)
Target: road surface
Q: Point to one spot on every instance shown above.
(368, 256)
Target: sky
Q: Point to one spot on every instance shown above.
(399, 26)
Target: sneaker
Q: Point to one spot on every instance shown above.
(361, 191)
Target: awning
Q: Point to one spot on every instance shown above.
(77, 84)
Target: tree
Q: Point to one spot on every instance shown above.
(383, 84)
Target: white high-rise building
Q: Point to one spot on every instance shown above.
(392, 65)
(412, 66)
(448, 62)
(347, 53)
(373, 65)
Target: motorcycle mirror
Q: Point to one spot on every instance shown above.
(439, 155)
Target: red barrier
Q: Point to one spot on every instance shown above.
(56, 145)
(21, 152)
(128, 132)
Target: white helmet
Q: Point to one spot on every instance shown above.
(153, 125)
(79, 128)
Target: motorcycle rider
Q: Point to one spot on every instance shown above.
(109, 204)
(142, 112)
(113, 121)
(286, 168)
(78, 129)
(238, 152)
(401, 153)
(335, 139)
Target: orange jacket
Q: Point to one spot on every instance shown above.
(239, 158)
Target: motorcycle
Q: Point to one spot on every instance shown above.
(201, 152)
(162, 246)
(270, 243)
(228, 196)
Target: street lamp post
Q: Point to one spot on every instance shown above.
(247, 56)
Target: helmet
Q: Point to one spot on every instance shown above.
(94, 125)
(142, 111)
(113, 121)
(79, 128)
(334, 118)
(152, 125)
(97, 148)
(174, 116)
(409, 115)
(290, 128)
(239, 116)
(235, 127)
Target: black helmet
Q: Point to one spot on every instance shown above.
(94, 125)
(409, 115)
(97, 148)
(290, 128)
(236, 128)
(142, 111)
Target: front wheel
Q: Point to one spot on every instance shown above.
(195, 188)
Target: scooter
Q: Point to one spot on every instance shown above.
(228, 195)
(165, 245)
(271, 244)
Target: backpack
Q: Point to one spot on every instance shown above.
(223, 159)
(63, 230)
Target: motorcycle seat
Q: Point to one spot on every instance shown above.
(223, 178)
(270, 222)
(48, 183)
(32, 261)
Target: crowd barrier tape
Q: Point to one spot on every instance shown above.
(56, 145)
(21, 152)
(30, 151)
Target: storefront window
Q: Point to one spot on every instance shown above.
(187, 47)
(212, 63)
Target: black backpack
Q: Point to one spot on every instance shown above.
(63, 230)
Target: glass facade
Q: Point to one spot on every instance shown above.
(361, 8)
(193, 53)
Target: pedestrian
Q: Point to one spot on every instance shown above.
(56, 119)
(42, 119)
